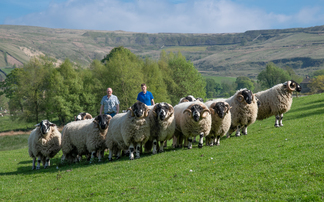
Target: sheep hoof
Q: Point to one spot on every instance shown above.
(244, 133)
(276, 125)
(281, 124)
(45, 167)
(111, 159)
(33, 168)
(200, 145)
(37, 168)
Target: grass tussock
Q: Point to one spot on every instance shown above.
(275, 164)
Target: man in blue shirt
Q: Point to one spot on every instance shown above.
(109, 104)
(145, 96)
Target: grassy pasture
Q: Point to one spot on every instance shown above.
(275, 164)
(219, 79)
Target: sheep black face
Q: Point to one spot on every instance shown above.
(247, 96)
(139, 109)
(294, 84)
(161, 110)
(103, 121)
(196, 110)
(190, 98)
(45, 126)
(220, 109)
(80, 116)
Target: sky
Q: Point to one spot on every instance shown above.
(164, 16)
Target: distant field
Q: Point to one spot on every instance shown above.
(219, 79)
(7, 70)
(185, 48)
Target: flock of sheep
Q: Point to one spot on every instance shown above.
(151, 126)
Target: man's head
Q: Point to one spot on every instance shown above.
(143, 86)
(109, 91)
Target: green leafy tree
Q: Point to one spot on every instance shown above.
(272, 75)
(153, 78)
(189, 81)
(228, 88)
(317, 84)
(318, 72)
(244, 82)
(212, 88)
(293, 74)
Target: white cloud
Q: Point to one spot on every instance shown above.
(194, 16)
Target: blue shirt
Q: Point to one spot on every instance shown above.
(145, 98)
(110, 104)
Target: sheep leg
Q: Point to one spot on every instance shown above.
(99, 155)
(277, 121)
(189, 143)
(131, 152)
(201, 140)
(38, 163)
(238, 131)
(63, 158)
(174, 142)
(92, 156)
(138, 150)
(34, 161)
(194, 139)
(154, 146)
(119, 153)
(244, 130)
(217, 140)
(47, 162)
(280, 122)
(161, 147)
(165, 143)
(110, 155)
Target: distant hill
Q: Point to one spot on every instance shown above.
(213, 54)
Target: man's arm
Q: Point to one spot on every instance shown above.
(117, 108)
(152, 101)
(101, 109)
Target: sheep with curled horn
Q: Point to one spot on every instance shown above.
(276, 101)
(192, 119)
(162, 126)
(243, 112)
(221, 121)
(129, 130)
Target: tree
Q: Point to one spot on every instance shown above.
(212, 88)
(244, 82)
(187, 79)
(228, 88)
(317, 84)
(318, 72)
(153, 78)
(272, 75)
(293, 74)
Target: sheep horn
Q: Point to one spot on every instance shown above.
(240, 98)
(146, 112)
(203, 114)
(131, 112)
(228, 107)
(291, 83)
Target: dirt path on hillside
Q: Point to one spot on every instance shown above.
(21, 132)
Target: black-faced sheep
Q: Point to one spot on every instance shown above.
(44, 143)
(85, 137)
(192, 119)
(127, 130)
(276, 101)
(243, 112)
(162, 126)
(82, 116)
(221, 121)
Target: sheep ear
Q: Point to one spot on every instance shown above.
(37, 125)
(212, 111)
(153, 110)
(52, 124)
(171, 109)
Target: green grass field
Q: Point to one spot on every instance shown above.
(219, 79)
(268, 164)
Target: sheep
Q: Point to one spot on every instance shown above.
(85, 137)
(44, 142)
(221, 121)
(188, 98)
(162, 126)
(192, 119)
(277, 101)
(243, 112)
(128, 130)
(82, 116)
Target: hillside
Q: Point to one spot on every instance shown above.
(213, 54)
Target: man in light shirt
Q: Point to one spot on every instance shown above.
(109, 104)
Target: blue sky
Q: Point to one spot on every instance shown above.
(154, 16)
